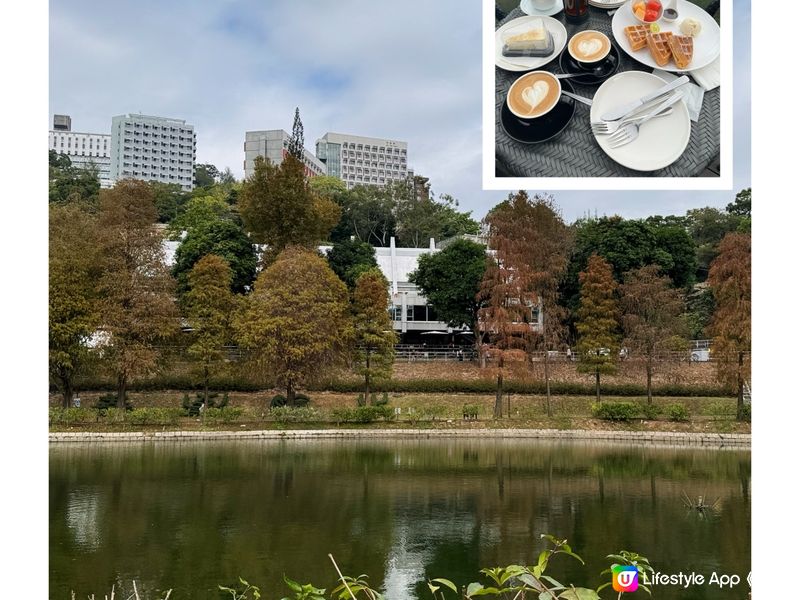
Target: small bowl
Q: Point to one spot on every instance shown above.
(635, 16)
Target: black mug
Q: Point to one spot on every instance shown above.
(576, 11)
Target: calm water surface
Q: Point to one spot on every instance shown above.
(189, 516)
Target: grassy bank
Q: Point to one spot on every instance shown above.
(250, 411)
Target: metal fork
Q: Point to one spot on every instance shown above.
(630, 131)
(609, 127)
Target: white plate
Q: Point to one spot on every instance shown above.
(661, 141)
(706, 45)
(606, 3)
(528, 8)
(521, 63)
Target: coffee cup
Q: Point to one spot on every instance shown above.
(543, 4)
(533, 95)
(589, 46)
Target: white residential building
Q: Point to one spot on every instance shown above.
(359, 160)
(273, 144)
(85, 150)
(153, 149)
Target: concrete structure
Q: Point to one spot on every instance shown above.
(363, 160)
(153, 149)
(273, 144)
(85, 150)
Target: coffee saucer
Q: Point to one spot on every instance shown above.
(528, 8)
(543, 128)
(592, 74)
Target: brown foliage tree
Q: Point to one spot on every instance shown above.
(279, 208)
(137, 292)
(297, 320)
(209, 305)
(530, 246)
(729, 278)
(73, 310)
(598, 320)
(652, 316)
(374, 337)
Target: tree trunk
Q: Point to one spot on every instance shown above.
(478, 346)
(205, 387)
(547, 380)
(66, 388)
(290, 393)
(121, 390)
(367, 399)
(740, 389)
(498, 399)
(650, 379)
(597, 383)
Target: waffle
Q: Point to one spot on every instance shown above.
(659, 47)
(682, 48)
(637, 36)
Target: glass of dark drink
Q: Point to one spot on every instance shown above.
(576, 11)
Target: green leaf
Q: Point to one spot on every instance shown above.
(557, 585)
(474, 587)
(579, 594)
(448, 583)
(531, 581)
(575, 556)
(604, 586)
(542, 558)
(433, 588)
(545, 596)
(293, 585)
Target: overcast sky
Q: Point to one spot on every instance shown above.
(406, 70)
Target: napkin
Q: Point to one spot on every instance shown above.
(708, 76)
(692, 94)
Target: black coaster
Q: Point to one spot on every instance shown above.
(535, 131)
(590, 74)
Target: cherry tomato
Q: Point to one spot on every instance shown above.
(651, 15)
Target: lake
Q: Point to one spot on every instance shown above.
(189, 516)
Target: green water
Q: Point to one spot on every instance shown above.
(189, 516)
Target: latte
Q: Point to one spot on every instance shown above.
(589, 46)
(534, 94)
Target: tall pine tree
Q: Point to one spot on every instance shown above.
(296, 142)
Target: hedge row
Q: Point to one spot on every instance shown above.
(440, 386)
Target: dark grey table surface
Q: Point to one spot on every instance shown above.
(575, 152)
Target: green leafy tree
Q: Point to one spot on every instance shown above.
(223, 238)
(169, 199)
(327, 186)
(742, 204)
(708, 226)
(296, 142)
(280, 209)
(450, 280)
(350, 258)
(652, 317)
(71, 184)
(73, 310)
(372, 325)
(205, 175)
(199, 212)
(136, 291)
(598, 320)
(209, 304)
(419, 219)
(296, 320)
(367, 213)
(730, 281)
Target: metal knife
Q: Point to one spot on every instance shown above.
(619, 112)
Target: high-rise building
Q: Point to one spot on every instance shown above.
(273, 144)
(85, 150)
(153, 149)
(359, 160)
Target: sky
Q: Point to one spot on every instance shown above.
(406, 70)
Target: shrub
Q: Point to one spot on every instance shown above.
(677, 412)
(471, 412)
(110, 401)
(382, 401)
(114, 415)
(615, 411)
(650, 411)
(226, 414)
(431, 412)
(277, 400)
(192, 407)
(721, 410)
(360, 401)
(154, 416)
(296, 414)
(747, 412)
(280, 400)
(363, 414)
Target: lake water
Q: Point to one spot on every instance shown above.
(189, 516)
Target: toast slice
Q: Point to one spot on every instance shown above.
(659, 47)
(682, 48)
(637, 36)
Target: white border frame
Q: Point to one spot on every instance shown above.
(723, 182)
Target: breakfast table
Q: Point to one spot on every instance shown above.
(575, 151)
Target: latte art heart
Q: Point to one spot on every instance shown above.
(589, 47)
(534, 94)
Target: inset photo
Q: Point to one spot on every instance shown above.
(608, 90)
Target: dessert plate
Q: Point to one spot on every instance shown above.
(545, 127)
(606, 3)
(706, 43)
(598, 73)
(522, 63)
(661, 141)
(528, 8)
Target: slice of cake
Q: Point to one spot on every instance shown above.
(637, 36)
(659, 47)
(682, 48)
(531, 39)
